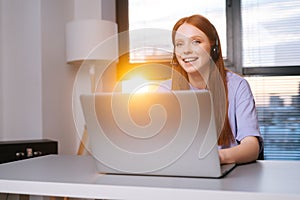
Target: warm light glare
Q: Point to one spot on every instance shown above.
(135, 85)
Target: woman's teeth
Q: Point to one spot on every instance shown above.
(187, 60)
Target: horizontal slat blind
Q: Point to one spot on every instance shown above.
(278, 106)
(271, 33)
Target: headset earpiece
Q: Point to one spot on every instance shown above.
(215, 51)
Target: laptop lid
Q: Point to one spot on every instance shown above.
(159, 133)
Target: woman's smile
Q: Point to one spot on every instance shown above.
(190, 59)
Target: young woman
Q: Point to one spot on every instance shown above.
(198, 64)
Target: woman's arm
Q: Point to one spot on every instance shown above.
(246, 151)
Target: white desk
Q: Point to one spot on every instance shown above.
(76, 176)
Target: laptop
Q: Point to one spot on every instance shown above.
(154, 133)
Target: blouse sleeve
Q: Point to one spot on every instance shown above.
(246, 115)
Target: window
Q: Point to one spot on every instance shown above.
(271, 34)
(278, 105)
(260, 39)
(152, 14)
(146, 27)
(271, 46)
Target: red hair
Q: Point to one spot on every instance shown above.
(217, 83)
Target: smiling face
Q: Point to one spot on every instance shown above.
(192, 48)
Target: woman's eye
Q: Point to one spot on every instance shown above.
(178, 44)
(196, 41)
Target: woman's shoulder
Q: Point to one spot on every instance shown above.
(233, 77)
(238, 86)
(235, 80)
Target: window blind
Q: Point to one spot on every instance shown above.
(278, 107)
(271, 33)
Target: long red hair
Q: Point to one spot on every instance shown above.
(217, 83)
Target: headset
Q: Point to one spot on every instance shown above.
(214, 53)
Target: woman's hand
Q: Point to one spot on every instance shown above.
(246, 151)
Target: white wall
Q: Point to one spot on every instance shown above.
(1, 78)
(90, 10)
(21, 70)
(35, 81)
(57, 76)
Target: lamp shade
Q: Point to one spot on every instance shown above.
(91, 39)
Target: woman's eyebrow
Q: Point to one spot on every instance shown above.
(179, 40)
(197, 36)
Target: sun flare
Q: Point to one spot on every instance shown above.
(136, 84)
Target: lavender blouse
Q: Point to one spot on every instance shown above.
(241, 110)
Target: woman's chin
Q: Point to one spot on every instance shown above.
(190, 68)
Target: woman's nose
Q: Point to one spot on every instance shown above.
(187, 49)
